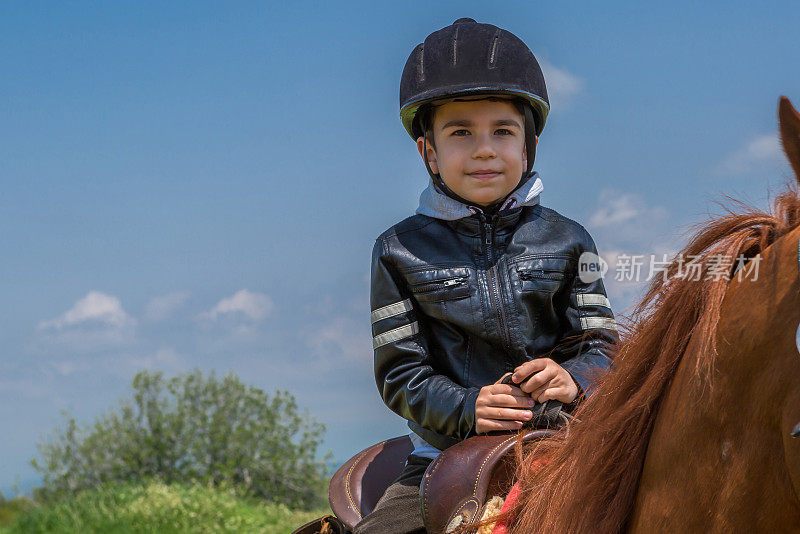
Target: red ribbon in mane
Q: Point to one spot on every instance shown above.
(502, 527)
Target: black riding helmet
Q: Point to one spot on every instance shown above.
(472, 59)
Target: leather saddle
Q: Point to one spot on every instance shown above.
(463, 477)
(455, 486)
(454, 489)
(357, 485)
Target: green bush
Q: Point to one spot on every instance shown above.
(11, 508)
(157, 507)
(192, 429)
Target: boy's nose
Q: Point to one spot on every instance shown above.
(483, 147)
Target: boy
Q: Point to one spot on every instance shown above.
(483, 280)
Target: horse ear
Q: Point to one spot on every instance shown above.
(790, 133)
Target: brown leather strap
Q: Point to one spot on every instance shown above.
(358, 484)
(458, 481)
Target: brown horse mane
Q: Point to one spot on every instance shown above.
(590, 480)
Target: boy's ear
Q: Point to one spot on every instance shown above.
(525, 151)
(431, 154)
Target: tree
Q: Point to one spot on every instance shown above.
(188, 429)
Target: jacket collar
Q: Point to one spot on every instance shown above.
(439, 206)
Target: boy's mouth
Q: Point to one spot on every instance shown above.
(484, 174)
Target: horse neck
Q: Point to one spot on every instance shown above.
(717, 445)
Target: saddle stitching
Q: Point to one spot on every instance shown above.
(347, 484)
(483, 464)
(433, 468)
(460, 508)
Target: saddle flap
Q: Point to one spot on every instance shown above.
(357, 485)
(457, 482)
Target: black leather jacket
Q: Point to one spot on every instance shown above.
(457, 303)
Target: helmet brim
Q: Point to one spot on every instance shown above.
(540, 107)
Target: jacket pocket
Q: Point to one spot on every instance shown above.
(543, 274)
(443, 293)
(435, 285)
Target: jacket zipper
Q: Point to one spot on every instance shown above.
(494, 285)
(538, 274)
(439, 284)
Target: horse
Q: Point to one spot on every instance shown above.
(693, 428)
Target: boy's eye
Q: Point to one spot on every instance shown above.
(462, 132)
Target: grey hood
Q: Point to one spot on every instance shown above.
(439, 206)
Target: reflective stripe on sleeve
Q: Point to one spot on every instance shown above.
(587, 323)
(391, 310)
(395, 335)
(593, 299)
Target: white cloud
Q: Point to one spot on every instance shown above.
(67, 367)
(165, 358)
(339, 332)
(96, 308)
(162, 307)
(243, 303)
(562, 86)
(760, 150)
(343, 339)
(617, 208)
(95, 322)
(115, 362)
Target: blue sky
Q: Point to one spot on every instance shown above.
(200, 184)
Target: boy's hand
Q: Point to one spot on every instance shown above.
(546, 380)
(501, 407)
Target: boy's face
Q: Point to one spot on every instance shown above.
(480, 148)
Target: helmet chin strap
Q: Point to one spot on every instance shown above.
(530, 148)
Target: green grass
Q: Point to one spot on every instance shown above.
(151, 507)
